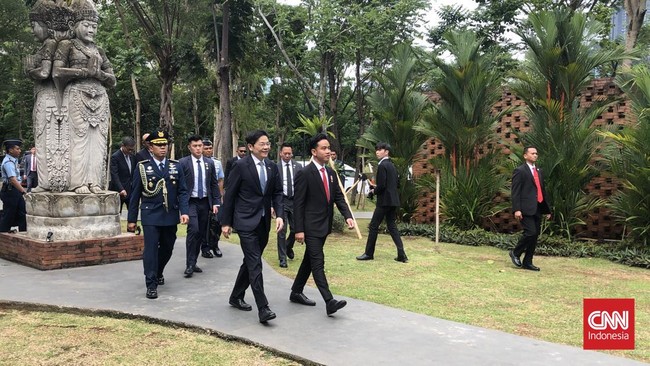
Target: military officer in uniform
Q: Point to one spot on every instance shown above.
(12, 191)
(159, 190)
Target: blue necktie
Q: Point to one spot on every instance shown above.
(162, 167)
(200, 182)
(262, 176)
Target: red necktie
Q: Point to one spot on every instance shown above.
(325, 185)
(540, 197)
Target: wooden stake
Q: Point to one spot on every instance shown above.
(338, 179)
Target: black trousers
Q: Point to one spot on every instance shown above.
(14, 213)
(250, 272)
(158, 246)
(32, 180)
(390, 214)
(285, 243)
(528, 241)
(313, 263)
(197, 229)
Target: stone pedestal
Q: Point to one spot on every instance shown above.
(71, 216)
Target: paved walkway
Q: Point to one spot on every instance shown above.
(362, 333)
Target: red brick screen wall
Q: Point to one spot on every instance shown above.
(74, 253)
(600, 224)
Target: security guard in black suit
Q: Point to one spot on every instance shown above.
(159, 190)
(12, 191)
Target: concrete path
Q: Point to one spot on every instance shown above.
(362, 333)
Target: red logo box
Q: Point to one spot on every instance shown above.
(608, 323)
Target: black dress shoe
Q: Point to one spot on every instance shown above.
(530, 267)
(240, 304)
(283, 264)
(152, 293)
(403, 259)
(206, 254)
(515, 260)
(266, 314)
(161, 280)
(217, 252)
(365, 257)
(334, 305)
(189, 271)
(300, 298)
(290, 253)
(197, 269)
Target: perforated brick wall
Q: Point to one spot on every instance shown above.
(600, 224)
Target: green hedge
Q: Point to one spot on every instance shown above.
(621, 252)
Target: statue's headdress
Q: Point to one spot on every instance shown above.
(55, 17)
(84, 10)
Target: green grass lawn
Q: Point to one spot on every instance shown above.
(44, 338)
(480, 286)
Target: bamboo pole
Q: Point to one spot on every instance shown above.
(437, 205)
(338, 179)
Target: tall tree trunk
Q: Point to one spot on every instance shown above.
(635, 11)
(224, 92)
(334, 102)
(321, 89)
(134, 84)
(195, 111)
(360, 116)
(166, 112)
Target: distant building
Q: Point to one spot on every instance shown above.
(619, 24)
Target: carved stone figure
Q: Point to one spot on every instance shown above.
(50, 25)
(70, 120)
(83, 71)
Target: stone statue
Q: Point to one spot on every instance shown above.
(50, 25)
(70, 120)
(83, 71)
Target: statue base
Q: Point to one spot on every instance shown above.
(66, 216)
(44, 255)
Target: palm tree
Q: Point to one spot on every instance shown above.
(629, 158)
(562, 55)
(397, 106)
(464, 123)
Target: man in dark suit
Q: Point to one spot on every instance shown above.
(214, 225)
(387, 204)
(30, 172)
(529, 204)
(145, 152)
(317, 191)
(241, 153)
(253, 187)
(205, 198)
(288, 169)
(159, 191)
(122, 165)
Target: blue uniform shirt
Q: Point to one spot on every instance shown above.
(10, 169)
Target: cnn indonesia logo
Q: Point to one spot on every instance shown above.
(608, 323)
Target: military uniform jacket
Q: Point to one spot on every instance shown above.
(161, 196)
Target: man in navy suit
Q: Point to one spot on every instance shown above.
(241, 153)
(288, 169)
(122, 165)
(317, 190)
(528, 204)
(159, 191)
(30, 172)
(253, 187)
(385, 189)
(145, 152)
(205, 198)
